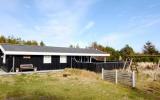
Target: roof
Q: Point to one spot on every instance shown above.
(47, 50)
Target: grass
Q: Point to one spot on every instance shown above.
(78, 85)
(147, 84)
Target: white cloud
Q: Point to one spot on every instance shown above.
(137, 27)
(112, 39)
(58, 24)
(138, 23)
(87, 27)
(62, 19)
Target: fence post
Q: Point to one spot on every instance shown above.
(116, 78)
(102, 73)
(133, 79)
(154, 76)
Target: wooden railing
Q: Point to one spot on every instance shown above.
(97, 66)
(121, 77)
(110, 65)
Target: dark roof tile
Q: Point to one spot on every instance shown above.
(25, 48)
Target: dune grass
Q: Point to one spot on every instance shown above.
(78, 85)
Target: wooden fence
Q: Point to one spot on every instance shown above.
(97, 66)
(122, 77)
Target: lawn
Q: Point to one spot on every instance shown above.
(78, 85)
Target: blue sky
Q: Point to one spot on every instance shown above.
(63, 22)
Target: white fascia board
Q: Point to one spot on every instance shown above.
(53, 53)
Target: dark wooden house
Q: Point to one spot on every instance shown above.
(44, 57)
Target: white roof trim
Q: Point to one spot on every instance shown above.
(53, 53)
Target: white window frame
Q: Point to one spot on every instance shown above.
(26, 57)
(47, 59)
(63, 59)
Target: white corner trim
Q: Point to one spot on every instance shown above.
(2, 49)
(53, 53)
(4, 59)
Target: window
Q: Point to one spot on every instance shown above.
(26, 57)
(63, 59)
(47, 59)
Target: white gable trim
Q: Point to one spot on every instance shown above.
(53, 53)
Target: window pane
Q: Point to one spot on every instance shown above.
(26, 57)
(63, 59)
(47, 59)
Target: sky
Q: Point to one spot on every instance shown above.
(112, 23)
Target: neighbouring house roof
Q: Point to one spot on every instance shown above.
(9, 49)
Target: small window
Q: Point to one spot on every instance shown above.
(26, 57)
(63, 59)
(47, 59)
